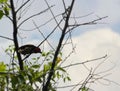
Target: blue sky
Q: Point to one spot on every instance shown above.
(91, 41)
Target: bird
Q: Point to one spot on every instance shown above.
(29, 49)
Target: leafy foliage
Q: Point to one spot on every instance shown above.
(3, 1)
(2, 76)
(4, 8)
(2, 67)
(1, 14)
(34, 74)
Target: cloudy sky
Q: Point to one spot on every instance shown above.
(91, 41)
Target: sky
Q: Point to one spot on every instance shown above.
(92, 41)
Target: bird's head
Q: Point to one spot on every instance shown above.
(37, 50)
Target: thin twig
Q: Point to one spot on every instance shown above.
(85, 62)
(86, 23)
(43, 35)
(51, 32)
(41, 24)
(22, 5)
(23, 11)
(6, 38)
(52, 14)
(9, 17)
(67, 57)
(83, 15)
(89, 77)
(68, 86)
(33, 16)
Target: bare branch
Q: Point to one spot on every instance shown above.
(64, 5)
(15, 31)
(45, 88)
(68, 86)
(85, 62)
(111, 81)
(41, 24)
(22, 5)
(51, 32)
(83, 15)
(33, 16)
(9, 17)
(23, 11)
(43, 35)
(91, 22)
(86, 23)
(6, 38)
(89, 77)
(52, 14)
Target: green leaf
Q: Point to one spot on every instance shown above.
(61, 69)
(60, 53)
(14, 80)
(6, 10)
(58, 75)
(84, 89)
(64, 79)
(46, 67)
(3, 1)
(36, 66)
(2, 67)
(21, 79)
(30, 78)
(68, 78)
(1, 14)
(43, 54)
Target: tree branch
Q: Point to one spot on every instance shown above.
(33, 16)
(86, 23)
(46, 87)
(85, 62)
(6, 37)
(22, 5)
(15, 31)
(41, 24)
(42, 35)
(53, 14)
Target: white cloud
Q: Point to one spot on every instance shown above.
(96, 41)
(93, 44)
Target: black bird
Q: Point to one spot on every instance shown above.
(29, 49)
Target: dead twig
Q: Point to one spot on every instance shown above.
(22, 5)
(85, 61)
(6, 38)
(34, 16)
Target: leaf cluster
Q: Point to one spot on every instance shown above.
(4, 8)
(34, 75)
